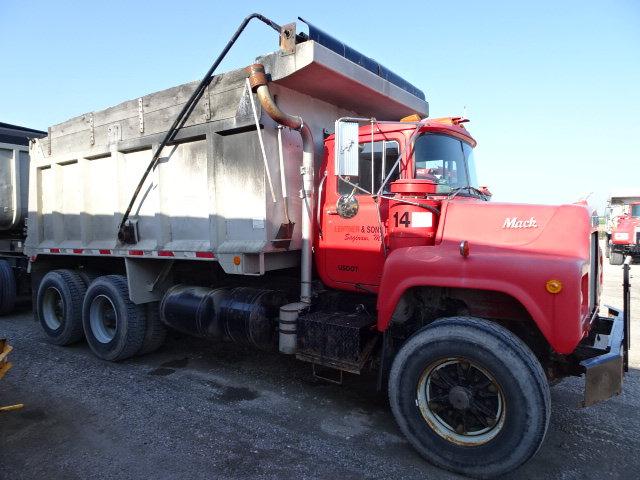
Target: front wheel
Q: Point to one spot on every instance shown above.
(470, 396)
(616, 258)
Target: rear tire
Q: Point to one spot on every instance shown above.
(616, 258)
(470, 396)
(113, 324)
(7, 288)
(59, 306)
(156, 331)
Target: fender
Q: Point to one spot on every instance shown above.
(520, 274)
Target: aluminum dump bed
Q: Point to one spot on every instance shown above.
(14, 180)
(209, 199)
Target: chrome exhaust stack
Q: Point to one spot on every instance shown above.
(259, 85)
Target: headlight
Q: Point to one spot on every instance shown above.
(621, 236)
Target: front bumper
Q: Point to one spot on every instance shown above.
(607, 357)
(626, 248)
(629, 249)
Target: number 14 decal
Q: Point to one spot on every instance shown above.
(404, 219)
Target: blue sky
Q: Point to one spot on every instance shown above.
(552, 88)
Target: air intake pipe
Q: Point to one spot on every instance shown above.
(259, 85)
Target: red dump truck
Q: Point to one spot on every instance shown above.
(308, 205)
(624, 238)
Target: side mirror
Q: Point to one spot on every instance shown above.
(346, 149)
(347, 206)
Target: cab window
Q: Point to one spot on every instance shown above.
(445, 160)
(372, 169)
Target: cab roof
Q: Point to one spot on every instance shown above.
(447, 125)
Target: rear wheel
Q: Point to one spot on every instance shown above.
(113, 324)
(616, 258)
(156, 332)
(7, 288)
(59, 306)
(470, 396)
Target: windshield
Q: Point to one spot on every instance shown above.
(635, 210)
(445, 160)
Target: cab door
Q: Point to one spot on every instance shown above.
(351, 253)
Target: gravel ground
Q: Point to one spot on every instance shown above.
(199, 410)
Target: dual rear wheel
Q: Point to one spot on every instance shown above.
(8, 288)
(71, 305)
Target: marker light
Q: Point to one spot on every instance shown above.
(464, 248)
(411, 118)
(554, 286)
(236, 260)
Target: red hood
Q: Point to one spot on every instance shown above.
(547, 229)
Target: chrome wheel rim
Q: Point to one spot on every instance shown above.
(53, 308)
(103, 318)
(461, 401)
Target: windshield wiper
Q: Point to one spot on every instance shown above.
(470, 189)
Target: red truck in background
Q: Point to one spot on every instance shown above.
(625, 235)
(390, 258)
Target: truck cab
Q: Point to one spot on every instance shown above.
(367, 215)
(403, 217)
(625, 235)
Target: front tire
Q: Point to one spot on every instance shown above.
(616, 258)
(470, 396)
(113, 324)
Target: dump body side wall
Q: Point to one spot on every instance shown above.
(209, 192)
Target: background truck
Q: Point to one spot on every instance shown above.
(14, 191)
(622, 216)
(308, 205)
